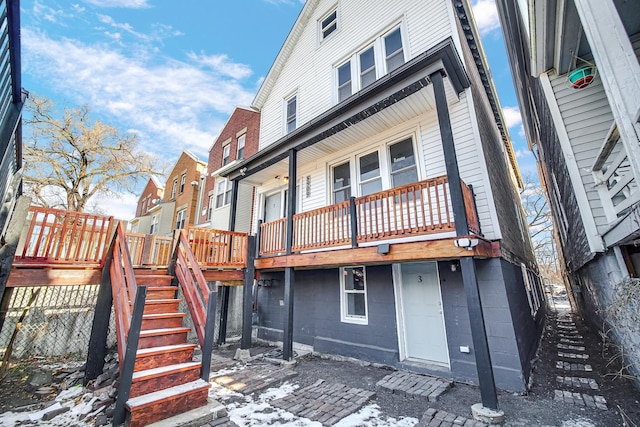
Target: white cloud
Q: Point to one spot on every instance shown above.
(512, 116)
(486, 15)
(176, 104)
(222, 65)
(129, 4)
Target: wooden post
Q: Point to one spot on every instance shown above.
(247, 300)
(126, 376)
(484, 367)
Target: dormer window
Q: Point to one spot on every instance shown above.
(329, 24)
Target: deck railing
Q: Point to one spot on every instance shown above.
(617, 181)
(56, 236)
(410, 210)
(149, 249)
(219, 248)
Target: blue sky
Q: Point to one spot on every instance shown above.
(173, 71)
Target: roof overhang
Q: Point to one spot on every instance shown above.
(385, 92)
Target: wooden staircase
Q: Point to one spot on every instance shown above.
(166, 381)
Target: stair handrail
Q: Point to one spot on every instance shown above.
(200, 300)
(123, 287)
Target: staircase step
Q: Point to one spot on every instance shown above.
(162, 337)
(161, 292)
(162, 404)
(162, 320)
(153, 279)
(156, 306)
(153, 357)
(150, 380)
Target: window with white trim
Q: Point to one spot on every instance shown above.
(353, 298)
(392, 165)
(174, 187)
(241, 142)
(183, 180)
(383, 55)
(531, 283)
(212, 199)
(223, 193)
(291, 113)
(181, 217)
(226, 153)
(153, 229)
(328, 24)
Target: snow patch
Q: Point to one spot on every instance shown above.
(370, 416)
(578, 422)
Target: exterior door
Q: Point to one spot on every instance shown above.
(273, 207)
(423, 320)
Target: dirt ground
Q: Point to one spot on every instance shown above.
(536, 408)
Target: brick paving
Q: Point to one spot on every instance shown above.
(435, 418)
(258, 377)
(570, 347)
(580, 399)
(580, 367)
(325, 402)
(415, 385)
(573, 355)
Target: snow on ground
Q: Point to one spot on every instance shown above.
(578, 422)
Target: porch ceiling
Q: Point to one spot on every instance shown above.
(393, 99)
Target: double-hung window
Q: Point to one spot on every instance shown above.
(183, 180)
(403, 163)
(362, 68)
(226, 152)
(328, 24)
(210, 207)
(223, 193)
(181, 217)
(291, 112)
(341, 181)
(154, 225)
(353, 299)
(241, 142)
(174, 187)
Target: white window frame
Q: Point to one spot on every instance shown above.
(293, 118)
(183, 181)
(532, 295)
(380, 61)
(345, 317)
(384, 160)
(155, 221)
(225, 193)
(210, 206)
(174, 188)
(181, 218)
(226, 154)
(242, 139)
(321, 27)
(403, 49)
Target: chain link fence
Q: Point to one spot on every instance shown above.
(57, 321)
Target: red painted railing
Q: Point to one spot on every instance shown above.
(149, 249)
(62, 237)
(415, 209)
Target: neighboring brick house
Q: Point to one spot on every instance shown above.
(147, 211)
(237, 141)
(182, 188)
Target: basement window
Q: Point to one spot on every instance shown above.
(353, 298)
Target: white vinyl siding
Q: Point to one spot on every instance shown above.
(360, 23)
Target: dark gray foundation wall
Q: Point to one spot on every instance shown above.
(317, 320)
(317, 314)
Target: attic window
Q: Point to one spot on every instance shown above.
(329, 24)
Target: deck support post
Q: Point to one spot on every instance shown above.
(247, 300)
(224, 313)
(8, 249)
(287, 339)
(209, 330)
(484, 367)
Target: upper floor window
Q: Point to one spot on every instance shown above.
(183, 180)
(174, 187)
(223, 193)
(341, 182)
(181, 218)
(210, 207)
(241, 142)
(370, 179)
(154, 225)
(226, 152)
(384, 54)
(328, 24)
(403, 163)
(394, 53)
(291, 113)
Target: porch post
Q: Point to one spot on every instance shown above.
(467, 264)
(247, 306)
(234, 205)
(224, 313)
(289, 272)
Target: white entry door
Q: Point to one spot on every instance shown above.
(422, 316)
(273, 207)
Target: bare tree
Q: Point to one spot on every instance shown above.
(69, 158)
